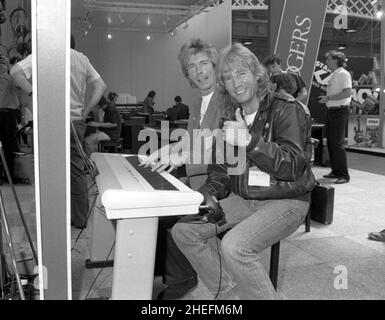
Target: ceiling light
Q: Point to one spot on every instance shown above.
(109, 36)
(247, 43)
(351, 30)
(342, 47)
(148, 37)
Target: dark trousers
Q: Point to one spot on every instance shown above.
(8, 128)
(170, 261)
(336, 121)
(79, 189)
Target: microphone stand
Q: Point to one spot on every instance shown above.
(9, 176)
(3, 264)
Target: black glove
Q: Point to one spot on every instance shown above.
(211, 211)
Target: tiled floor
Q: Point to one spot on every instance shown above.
(309, 262)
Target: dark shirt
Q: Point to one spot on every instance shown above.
(171, 113)
(148, 105)
(181, 111)
(178, 112)
(299, 82)
(111, 114)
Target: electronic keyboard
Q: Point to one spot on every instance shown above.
(130, 191)
(134, 198)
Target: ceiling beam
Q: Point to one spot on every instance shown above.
(129, 29)
(143, 8)
(184, 12)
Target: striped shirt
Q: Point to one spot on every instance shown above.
(82, 73)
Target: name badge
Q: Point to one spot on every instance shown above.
(258, 178)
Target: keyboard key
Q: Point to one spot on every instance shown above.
(155, 179)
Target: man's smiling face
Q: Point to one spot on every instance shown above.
(201, 72)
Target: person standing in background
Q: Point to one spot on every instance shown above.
(179, 111)
(337, 101)
(273, 65)
(148, 103)
(82, 75)
(182, 111)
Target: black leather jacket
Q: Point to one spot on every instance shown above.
(279, 146)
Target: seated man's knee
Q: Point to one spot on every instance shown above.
(231, 249)
(236, 249)
(188, 233)
(178, 233)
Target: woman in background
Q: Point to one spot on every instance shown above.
(148, 103)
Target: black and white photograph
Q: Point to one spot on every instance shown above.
(216, 151)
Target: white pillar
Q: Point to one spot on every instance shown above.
(51, 34)
(381, 135)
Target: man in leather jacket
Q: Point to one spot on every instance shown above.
(266, 198)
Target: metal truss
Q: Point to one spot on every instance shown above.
(356, 8)
(183, 12)
(250, 5)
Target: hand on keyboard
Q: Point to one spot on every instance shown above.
(170, 161)
(166, 157)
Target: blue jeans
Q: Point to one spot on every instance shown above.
(255, 225)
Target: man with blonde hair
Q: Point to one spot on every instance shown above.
(265, 202)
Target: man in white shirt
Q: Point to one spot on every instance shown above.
(82, 74)
(337, 101)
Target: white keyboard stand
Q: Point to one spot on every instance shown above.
(131, 202)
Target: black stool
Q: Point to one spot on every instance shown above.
(274, 263)
(307, 220)
(111, 146)
(274, 254)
